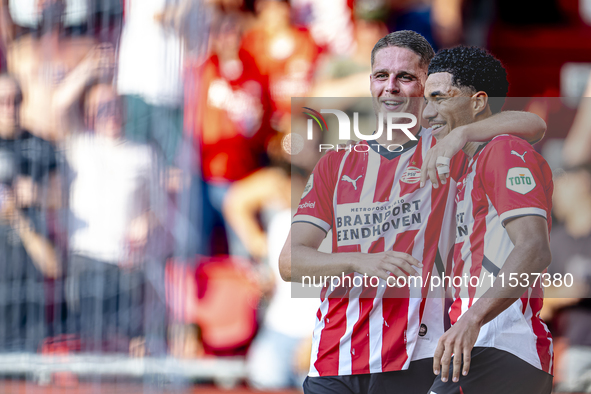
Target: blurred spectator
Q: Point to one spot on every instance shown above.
(52, 67)
(26, 254)
(330, 22)
(283, 52)
(233, 122)
(149, 75)
(571, 253)
(439, 21)
(114, 223)
(273, 193)
(577, 145)
(25, 13)
(346, 76)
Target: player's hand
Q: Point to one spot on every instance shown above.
(384, 264)
(457, 341)
(446, 147)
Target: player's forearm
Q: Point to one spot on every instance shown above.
(527, 261)
(299, 261)
(525, 125)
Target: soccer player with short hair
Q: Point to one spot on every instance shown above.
(373, 338)
(503, 221)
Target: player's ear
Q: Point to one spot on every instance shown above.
(479, 102)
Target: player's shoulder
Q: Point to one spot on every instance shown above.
(505, 145)
(331, 158)
(508, 140)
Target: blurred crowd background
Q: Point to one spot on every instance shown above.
(146, 187)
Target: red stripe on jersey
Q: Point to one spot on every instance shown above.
(349, 248)
(456, 308)
(335, 322)
(544, 338)
(476, 245)
(395, 311)
(352, 178)
(524, 302)
(360, 337)
(377, 246)
(360, 350)
(385, 179)
(433, 231)
(405, 241)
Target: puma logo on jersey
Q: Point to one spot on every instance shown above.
(346, 178)
(520, 156)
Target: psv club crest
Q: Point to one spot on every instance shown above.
(411, 175)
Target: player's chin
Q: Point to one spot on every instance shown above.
(440, 133)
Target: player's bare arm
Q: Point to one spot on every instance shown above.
(525, 125)
(300, 257)
(530, 256)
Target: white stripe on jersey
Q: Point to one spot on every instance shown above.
(345, 363)
(318, 332)
(376, 322)
(314, 220)
(522, 212)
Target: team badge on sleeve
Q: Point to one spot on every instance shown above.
(309, 186)
(520, 180)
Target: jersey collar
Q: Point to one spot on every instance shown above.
(384, 152)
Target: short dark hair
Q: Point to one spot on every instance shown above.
(475, 68)
(405, 39)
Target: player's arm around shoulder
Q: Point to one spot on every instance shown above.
(525, 125)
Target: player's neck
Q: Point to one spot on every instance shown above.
(472, 147)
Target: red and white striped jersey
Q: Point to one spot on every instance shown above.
(372, 202)
(506, 179)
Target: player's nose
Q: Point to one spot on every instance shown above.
(392, 85)
(429, 111)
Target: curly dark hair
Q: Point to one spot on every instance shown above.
(406, 39)
(474, 68)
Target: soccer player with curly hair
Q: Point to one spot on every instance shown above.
(503, 220)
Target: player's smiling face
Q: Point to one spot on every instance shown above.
(397, 79)
(447, 106)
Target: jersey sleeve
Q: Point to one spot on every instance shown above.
(458, 165)
(316, 204)
(514, 179)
